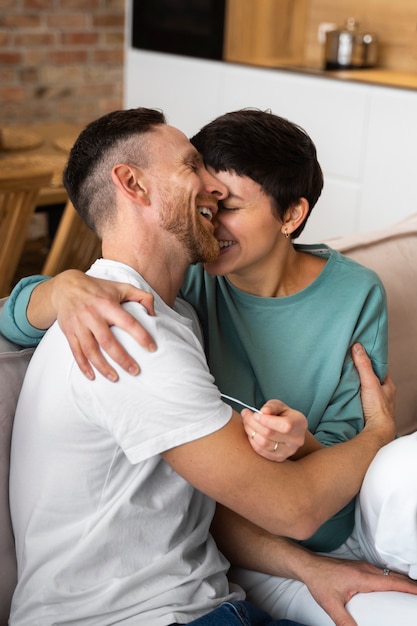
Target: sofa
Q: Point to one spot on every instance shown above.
(391, 252)
(13, 364)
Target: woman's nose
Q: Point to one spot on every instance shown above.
(214, 186)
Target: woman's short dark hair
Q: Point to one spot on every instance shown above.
(277, 154)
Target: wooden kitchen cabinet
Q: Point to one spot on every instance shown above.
(261, 31)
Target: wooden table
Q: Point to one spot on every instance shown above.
(44, 144)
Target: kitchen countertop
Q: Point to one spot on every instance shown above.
(372, 76)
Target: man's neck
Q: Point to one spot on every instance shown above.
(164, 275)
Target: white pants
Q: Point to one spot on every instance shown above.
(385, 534)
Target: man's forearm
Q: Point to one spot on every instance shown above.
(311, 444)
(246, 545)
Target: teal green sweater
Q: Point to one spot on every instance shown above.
(295, 348)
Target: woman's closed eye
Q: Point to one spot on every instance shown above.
(223, 207)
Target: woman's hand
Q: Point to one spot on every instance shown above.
(277, 432)
(86, 308)
(333, 582)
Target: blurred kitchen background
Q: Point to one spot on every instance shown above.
(63, 59)
(66, 62)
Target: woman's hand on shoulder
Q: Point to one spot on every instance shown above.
(86, 308)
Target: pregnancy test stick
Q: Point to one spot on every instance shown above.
(247, 406)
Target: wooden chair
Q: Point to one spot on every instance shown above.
(19, 190)
(75, 246)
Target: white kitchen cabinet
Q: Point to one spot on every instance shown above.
(188, 90)
(390, 169)
(366, 135)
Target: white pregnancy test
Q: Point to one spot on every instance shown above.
(247, 406)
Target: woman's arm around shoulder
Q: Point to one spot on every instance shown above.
(85, 308)
(14, 323)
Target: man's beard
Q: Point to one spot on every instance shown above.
(184, 221)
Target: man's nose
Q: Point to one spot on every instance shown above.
(214, 186)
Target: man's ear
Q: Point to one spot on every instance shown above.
(295, 216)
(131, 181)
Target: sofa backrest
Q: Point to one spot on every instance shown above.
(13, 363)
(392, 253)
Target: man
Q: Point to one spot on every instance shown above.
(113, 487)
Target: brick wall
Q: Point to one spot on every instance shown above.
(60, 59)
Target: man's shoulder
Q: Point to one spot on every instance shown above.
(184, 308)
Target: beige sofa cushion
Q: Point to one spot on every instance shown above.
(392, 253)
(13, 364)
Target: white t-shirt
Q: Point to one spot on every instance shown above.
(106, 532)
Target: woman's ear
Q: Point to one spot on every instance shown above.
(295, 216)
(131, 181)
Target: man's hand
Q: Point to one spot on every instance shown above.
(277, 432)
(378, 400)
(86, 308)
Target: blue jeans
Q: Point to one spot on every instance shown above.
(240, 613)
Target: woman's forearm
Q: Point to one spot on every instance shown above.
(40, 311)
(14, 323)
